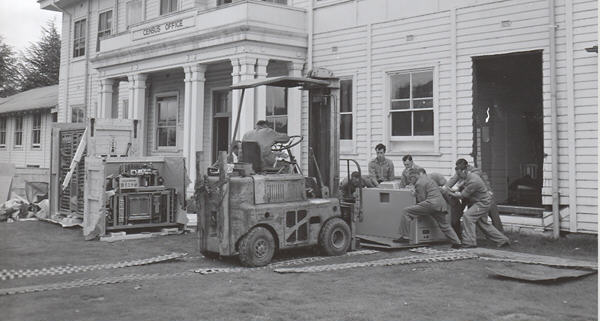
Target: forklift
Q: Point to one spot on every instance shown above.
(253, 212)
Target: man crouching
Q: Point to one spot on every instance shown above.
(429, 202)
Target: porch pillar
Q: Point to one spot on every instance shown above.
(105, 98)
(246, 71)
(137, 108)
(294, 108)
(260, 112)
(193, 132)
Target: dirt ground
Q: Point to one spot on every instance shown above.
(457, 290)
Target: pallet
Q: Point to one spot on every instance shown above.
(122, 236)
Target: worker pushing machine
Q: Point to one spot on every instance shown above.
(429, 202)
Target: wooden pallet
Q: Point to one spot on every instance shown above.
(122, 236)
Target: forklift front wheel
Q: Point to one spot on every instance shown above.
(257, 247)
(334, 238)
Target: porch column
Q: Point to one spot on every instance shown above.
(105, 98)
(294, 108)
(137, 108)
(246, 71)
(260, 112)
(193, 133)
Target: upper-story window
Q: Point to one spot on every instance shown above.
(411, 103)
(134, 12)
(79, 38)
(18, 131)
(104, 26)
(168, 6)
(36, 130)
(2, 132)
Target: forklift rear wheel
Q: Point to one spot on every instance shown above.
(334, 238)
(257, 247)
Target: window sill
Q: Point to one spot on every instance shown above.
(79, 58)
(19, 148)
(415, 153)
(411, 138)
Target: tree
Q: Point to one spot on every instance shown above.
(41, 61)
(9, 73)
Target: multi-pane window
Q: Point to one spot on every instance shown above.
(2, 132)
(18, 131)
(77, 114)
(79, 38)
(411, 103)
(134, 12)
(166, 124)
(346, 109)
(36, 130)
(168, 6)
(277, 109)
(125, 108)
(104, 26)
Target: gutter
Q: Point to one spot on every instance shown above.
(554, 123)
(311, 13)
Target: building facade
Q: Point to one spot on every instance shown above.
(509, 85)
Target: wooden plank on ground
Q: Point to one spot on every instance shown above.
(518, 257)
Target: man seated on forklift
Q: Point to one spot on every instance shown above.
(429, 202)
(381, 169)
(265, 136)
(349, 185)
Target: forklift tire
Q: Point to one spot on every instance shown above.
(334, 238)
(257, 247)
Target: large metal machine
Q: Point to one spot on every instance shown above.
(252, 212)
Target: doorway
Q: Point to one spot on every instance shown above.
(221, 104)
(508, 137)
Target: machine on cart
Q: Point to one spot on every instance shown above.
(253, 212)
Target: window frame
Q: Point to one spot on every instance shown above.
(3, 131)
(77, 46)
(104, 33)
(83, 117)
(170, 5)
(424, 144)
(18, 132)
(128, 12)
(275, 116)
(35, 129)
(348, 146)
(177, 122)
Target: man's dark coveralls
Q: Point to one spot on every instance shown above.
(265, 137)
(429, 202)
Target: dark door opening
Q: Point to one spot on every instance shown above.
(508, 138)
(221, 122)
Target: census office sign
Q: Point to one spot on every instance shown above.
(160, 28)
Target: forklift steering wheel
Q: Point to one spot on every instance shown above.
(294, 140)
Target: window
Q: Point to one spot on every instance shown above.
(19, 131)
(346, 109)
(3, 132)
(104, 26)
(134, 12)
(125, 108)
(168, 6)
(79, 38)
(77, 114)
(411, 103)
(166, 124)
(277, 109)
(36, 130)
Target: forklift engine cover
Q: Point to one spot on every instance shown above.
(276, 202)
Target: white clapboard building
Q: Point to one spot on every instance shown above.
(25, 124)
(509, 85)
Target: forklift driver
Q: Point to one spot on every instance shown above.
(429, 202)
(265, 137)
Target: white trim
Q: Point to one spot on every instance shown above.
(570, 61)
(408, 68)
(155, 147)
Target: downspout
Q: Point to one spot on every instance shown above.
(554, 123)
(87, 98)
(68, 62)
(309, 59)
